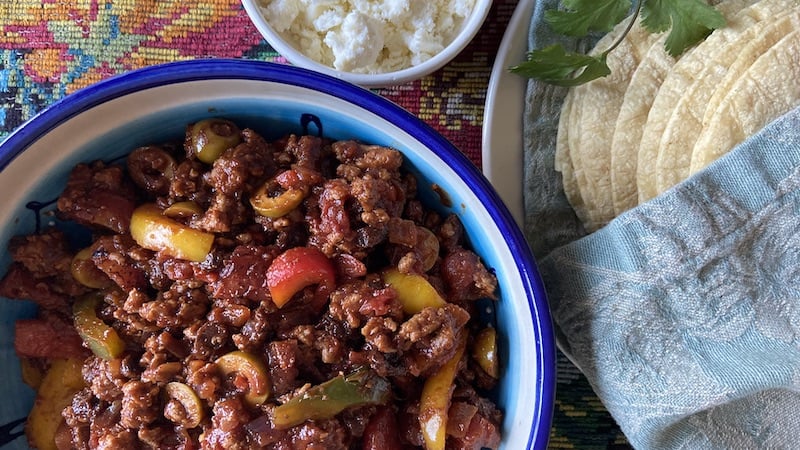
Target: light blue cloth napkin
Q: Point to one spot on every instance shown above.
(683, 313)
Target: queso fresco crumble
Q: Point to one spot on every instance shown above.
(368, 36)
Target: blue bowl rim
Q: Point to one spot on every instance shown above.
(206, 69)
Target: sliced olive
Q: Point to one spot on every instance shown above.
(484, 351)
(276, 206)
(183, 210)
(85, 272)
(210, 137)
(152, 168)
(184, 407)
(249, 366)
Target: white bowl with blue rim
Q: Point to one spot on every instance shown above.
(110, 118)
(298, 55)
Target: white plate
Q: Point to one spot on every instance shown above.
(502, 143)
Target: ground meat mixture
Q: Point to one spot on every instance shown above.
(239, 293)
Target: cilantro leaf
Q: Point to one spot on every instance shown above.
(556, 66)
(689, 21)
(579, 17)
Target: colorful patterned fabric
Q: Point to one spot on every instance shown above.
(52, 48)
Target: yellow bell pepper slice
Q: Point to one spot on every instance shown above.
(32, 374)
(414, 291)
(101, 339)
(253, 369)
(435, 401)
(62, 380)
(154, 231)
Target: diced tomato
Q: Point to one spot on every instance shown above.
(481, 434)
(41, 338)
(381, 432)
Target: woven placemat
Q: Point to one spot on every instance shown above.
(51, 48)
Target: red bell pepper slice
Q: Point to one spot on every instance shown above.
(296, 269)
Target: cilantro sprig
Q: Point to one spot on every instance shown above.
(688, 22)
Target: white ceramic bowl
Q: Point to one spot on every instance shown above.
(296, 56)
(107, 120)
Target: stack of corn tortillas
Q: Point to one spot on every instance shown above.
(655, 120)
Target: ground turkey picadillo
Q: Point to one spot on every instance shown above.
(239, 293)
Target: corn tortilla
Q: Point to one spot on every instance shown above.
(772, 31)
(768, 89)
(563, 162)
(565, 158)
(683, 73)
(636, 106)
(628, 128)
(598, 104)
(750, 34)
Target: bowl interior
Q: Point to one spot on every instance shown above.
(154, 105)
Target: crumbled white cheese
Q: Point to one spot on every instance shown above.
(356, 43)
(368, 36)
